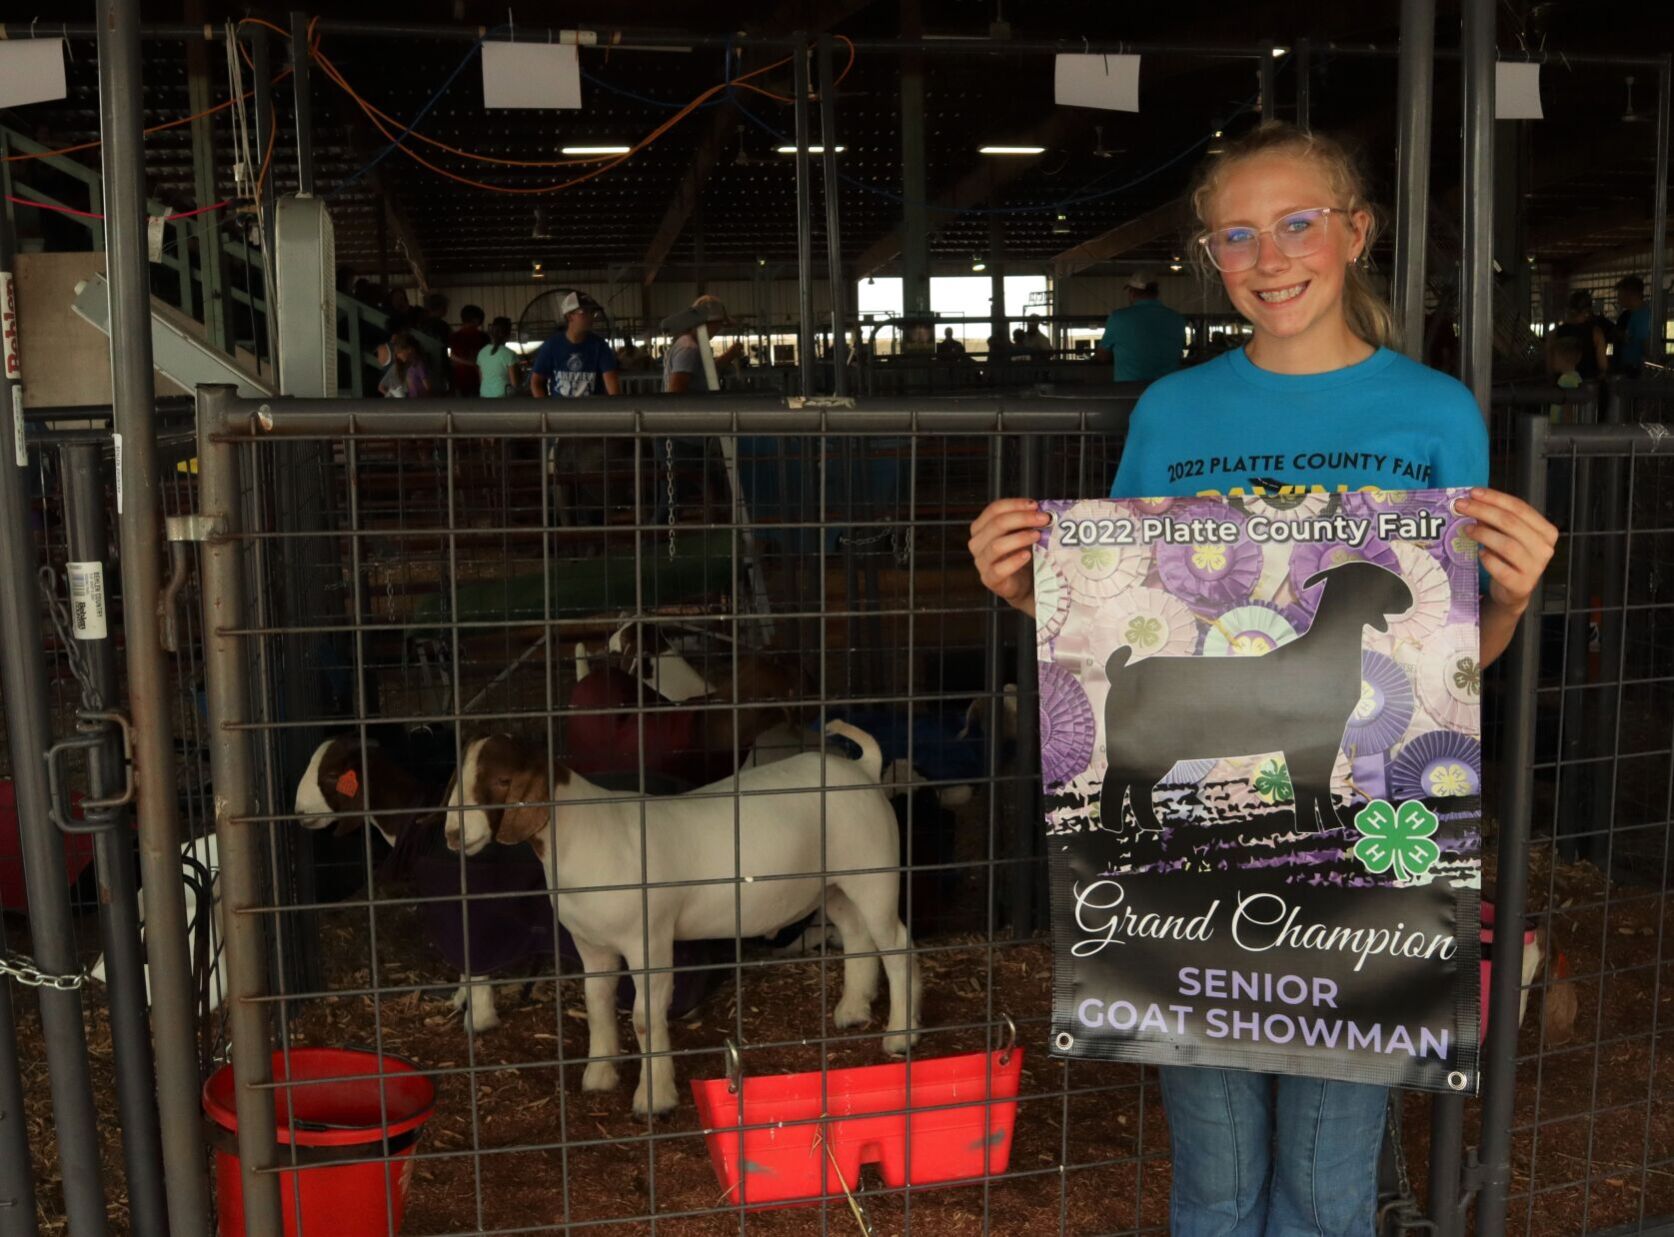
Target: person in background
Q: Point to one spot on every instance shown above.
(633, 358)
(497, 364)
(1035, 340)
(949, 349)
(1147, 339)
(406, 377)
(434, 319)
(683, 368)
(1588, 330)
(1020, 346)
(575, 362)
(1633, 326)
(1564, 357)
(463, 346)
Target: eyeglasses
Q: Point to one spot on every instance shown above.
(1298, 234)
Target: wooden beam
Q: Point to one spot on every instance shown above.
(1572, 231)
(1121, 239)
(1614, 257)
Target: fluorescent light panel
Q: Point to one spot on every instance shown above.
(1011, 150)
(596, 150)
(813, 150)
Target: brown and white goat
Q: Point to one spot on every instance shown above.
(813, 829)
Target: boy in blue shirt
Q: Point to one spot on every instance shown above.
(575, 362)
(1147, 339)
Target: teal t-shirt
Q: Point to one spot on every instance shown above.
(1228, 428)
(1145, 341)
(495, 365)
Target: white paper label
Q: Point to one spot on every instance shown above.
(1108, 82)
(117, 439)
(544, 75)
(1517, 91)
(87, 600)
(31, 71)
(154, 237)
(13, 367)
(19, 444)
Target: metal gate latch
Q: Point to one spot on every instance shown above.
(181, 529)
(97, 815)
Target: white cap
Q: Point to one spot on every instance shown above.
(1141, 280)
(569, 305)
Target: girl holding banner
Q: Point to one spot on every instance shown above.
(1317, 401)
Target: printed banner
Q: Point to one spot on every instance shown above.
(1260, 747)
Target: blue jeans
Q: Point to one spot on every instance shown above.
(1263, 1155)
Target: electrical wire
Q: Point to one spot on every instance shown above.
(89, 214)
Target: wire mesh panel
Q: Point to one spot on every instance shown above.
(1593, 1131)
(648, 609)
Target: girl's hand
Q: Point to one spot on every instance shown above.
(1517, 543)
(1002, 540)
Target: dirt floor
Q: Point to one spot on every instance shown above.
(1572, 1172)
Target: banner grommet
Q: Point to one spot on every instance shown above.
(1063, 1041)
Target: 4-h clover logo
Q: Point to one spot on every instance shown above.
(1144, 632)
(1397, 838)
(1272, 783)
(1209, 557)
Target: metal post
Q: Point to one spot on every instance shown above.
(1304, 83)
(216, 320)
(227, 662)
(999, 352)
(113, 859)
(1026, 814)
(804, 221)
(1412, 180)
(265, 118)
(302, 76)
(833, 229)
(1499, 1056)
(1266, 74)
(17, 1182)
(1447, 1136)
(1659, 222)
(1476, 301)
(174, 1021)
(915, 187)
(23, 688)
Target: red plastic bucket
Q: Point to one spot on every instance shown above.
(345, 1101)
(962, 1112)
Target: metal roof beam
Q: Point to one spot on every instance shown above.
(1123, 238)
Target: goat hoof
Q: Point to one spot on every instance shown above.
(852, 1013)
(599, 1076)
(896, 1043)
(662, 1105)
(484, 1019)
(460, 998)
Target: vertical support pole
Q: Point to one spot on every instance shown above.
(915, 188)
(1476, 302)
(216, 320)
(1412, 179)
(1267, 73)
(1659, 221)
(262, 55)
(113, 859)
(1000, 353)
(23, 688)
(17, 1182)
(804, 220)
(833, 225)
(1304, 84)
(302, 66)
(1499, 1056)
(173, 1017)
(1026, 815)
(227, 662)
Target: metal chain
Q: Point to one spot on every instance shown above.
(668, 448)
(31, 976)
(91, 700)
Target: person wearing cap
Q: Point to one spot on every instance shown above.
(683, 369)
(1147, 339)
(1633, 326)
(1035, 340)
(575, 362)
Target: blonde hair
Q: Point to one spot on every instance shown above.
(1368, 313)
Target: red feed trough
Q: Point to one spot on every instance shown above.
(962, 1112)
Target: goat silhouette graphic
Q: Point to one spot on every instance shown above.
(1296, 700)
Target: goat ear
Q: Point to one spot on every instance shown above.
(1319, 577)
(522, 823)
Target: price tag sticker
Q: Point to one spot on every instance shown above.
(154, 237)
